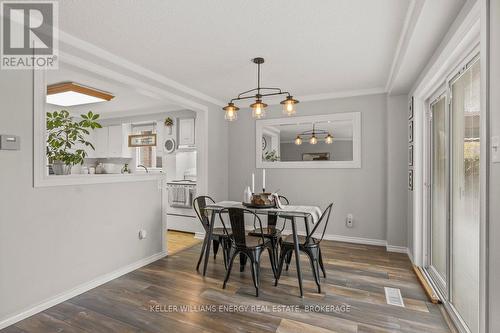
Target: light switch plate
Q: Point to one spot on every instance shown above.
(495, 149)
(10, 142)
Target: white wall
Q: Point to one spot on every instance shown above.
(53, 239)
(362, 192)
(397, 169)
(57, 238)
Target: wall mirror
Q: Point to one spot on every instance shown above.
(321, 141)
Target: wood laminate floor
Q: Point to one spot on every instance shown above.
(356, 276)
(178, 241)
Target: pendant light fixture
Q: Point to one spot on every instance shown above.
(329, 139)
(313, 139)
(231, 112)
(259, 107)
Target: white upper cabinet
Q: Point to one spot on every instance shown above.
(111, 141)
(100, 142)
(118, 141)
(186, 132)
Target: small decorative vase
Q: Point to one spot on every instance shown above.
(247, 195)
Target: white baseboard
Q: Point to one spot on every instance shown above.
(356, 240)
(347, 239)
(12, 319)
(398, 249)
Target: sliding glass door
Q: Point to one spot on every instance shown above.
(454, 195)
(465, 114)
(439, 193)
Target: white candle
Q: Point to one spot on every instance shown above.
(253, 183)
(263, 179)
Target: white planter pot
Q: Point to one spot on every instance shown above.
(60, 168)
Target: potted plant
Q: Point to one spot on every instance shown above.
(66, 138)
(169, 123)
(271, 156)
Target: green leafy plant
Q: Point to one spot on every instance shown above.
(169, 122)
(66, 136)
(271, 156)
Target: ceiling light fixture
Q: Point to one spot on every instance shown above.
(231, 112)
(71, 94)
(313, 139)
(258, 108)
(329, 139)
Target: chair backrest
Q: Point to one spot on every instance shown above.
(199, 204)
(325, 217)
(237, 222)
(283, 200)
(272, 219)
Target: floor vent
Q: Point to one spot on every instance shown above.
(393, 297)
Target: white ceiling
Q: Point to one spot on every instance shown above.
(317, 49)
(127, 100)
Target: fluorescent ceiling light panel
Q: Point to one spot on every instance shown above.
(70, 94)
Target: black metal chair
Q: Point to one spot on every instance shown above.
(309, 245)
(241, 243)
(271, 231)
(219, 237)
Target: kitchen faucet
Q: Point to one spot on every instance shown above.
(142, 166)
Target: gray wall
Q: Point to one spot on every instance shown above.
(54, 239)
(362, 192)
(397, 170)
(339, 150)
(494, 182)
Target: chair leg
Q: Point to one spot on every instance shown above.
(321, 263)
(202, 252)
(283, 254)
(243, 261)
(273, 260)
(313, 258)
(216, 248)
(255, 261)
(228, 272)
(224, 251)
(288, 259)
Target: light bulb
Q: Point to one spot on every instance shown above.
(313, 140)
(289, 105)
(258, 109)
(328, 139)
(298, 140)
(231, 115)
(231, 112)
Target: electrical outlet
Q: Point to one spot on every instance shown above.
(349, 221)
(142, 234)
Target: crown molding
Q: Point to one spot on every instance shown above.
(133, 67)
(411, 19)
(342, 94)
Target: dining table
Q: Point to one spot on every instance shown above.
(310, 214)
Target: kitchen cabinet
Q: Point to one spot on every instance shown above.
(118, 141)
(186, 132)
(110, 141)
(100, 142)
